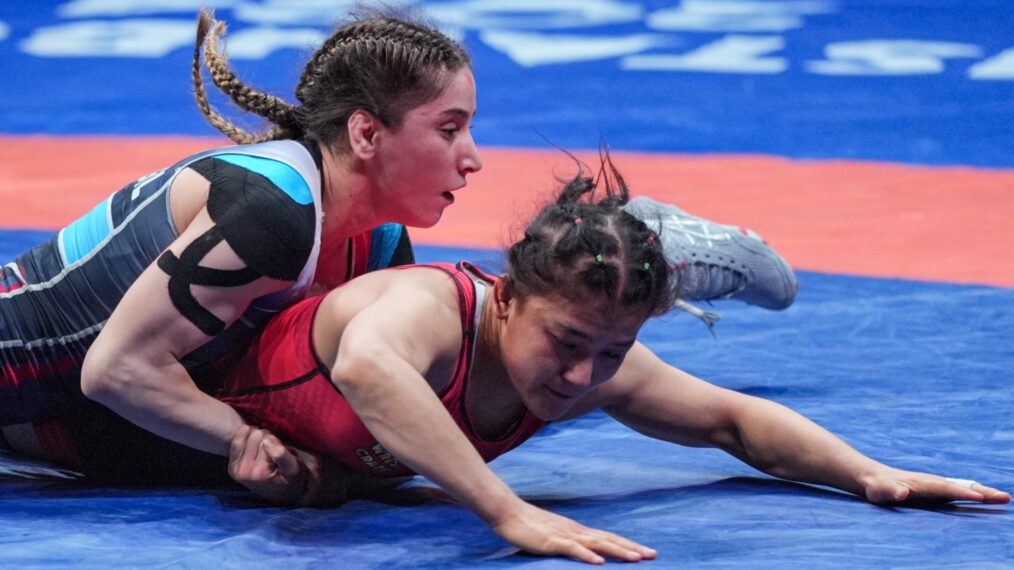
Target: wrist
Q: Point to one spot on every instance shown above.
(867, 478)
(498, 506)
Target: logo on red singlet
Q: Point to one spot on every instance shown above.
(377, 458)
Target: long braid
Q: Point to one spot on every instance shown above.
(381, 64)
(217, 120)
(312, 69)
(339, 42)
(273, 108)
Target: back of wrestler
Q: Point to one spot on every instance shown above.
(56, 298)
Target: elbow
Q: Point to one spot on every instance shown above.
(731, 432)
(752, 437)
(354, 371)
(91, 380)
(102, 378)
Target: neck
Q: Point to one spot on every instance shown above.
(491, 392)
(348, 199)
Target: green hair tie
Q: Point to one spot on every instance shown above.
(647, 266)
(598, 258)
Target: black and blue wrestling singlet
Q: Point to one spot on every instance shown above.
(55, 298)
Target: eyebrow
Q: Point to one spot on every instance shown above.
(585, 336)
(457, 111)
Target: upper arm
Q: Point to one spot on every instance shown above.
(666, 403)
(243, 237)
(148, 325)
(408, 323)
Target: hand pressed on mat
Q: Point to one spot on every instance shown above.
(891, 486)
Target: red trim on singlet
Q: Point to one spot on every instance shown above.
(53, 441)
(359, 254)
(15, 376)
(55, 444)
(11, 278)
(282, 386)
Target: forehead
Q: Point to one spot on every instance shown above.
(457, 98)
(596, 319)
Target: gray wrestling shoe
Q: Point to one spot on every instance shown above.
(717, 261)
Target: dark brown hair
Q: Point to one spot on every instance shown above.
(382, 64)
(593, 250)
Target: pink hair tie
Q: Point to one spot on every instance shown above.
(577, 220)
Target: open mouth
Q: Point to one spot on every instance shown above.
(448, 196)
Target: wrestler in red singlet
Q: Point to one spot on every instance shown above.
(281, 385)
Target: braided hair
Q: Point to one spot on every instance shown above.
(593, 250)
(382, 64)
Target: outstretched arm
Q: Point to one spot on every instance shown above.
(666, 403)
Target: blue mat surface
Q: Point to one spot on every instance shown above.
(913, 374)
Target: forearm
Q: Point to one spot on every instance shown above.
(781, 442)
(166, 403)
(408, 419)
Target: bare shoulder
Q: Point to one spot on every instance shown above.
(413, 310)
(187, 197)
(426, 302)
(429, 286)
(415, 291)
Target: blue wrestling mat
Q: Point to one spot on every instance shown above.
(915, 374)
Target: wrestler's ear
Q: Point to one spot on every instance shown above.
(503, 296)
(362, 131)
(503, 292)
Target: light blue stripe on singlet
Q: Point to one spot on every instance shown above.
(280, 174)
(383, 241)
(83, 235)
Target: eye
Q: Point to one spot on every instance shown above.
(613, 355)
(563, 343)
(450, 131)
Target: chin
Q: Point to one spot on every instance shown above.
(548, 413)
(417, 220)
(430, 222)
(548, 417)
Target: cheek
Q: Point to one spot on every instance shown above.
(427, 171)
(527, 360)
(442, 157)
